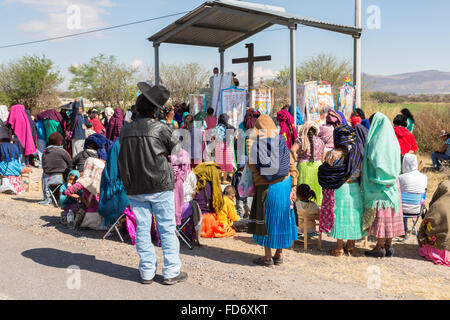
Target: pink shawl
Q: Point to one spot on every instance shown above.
(181, 164)
(287, 127)
(19, 122)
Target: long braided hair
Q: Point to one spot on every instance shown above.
(311, 143)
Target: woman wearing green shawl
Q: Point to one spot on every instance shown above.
(383, 216)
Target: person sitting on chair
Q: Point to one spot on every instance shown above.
(411, 181)
(10, 166)
(55, 162)
(443, 153)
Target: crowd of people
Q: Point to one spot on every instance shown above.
(175, 174)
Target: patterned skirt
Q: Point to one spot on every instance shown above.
(224, 156)
(349, 211)
(279, 218)
(308, 174)
(387, 223)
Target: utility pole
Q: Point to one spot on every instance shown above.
(357, 55)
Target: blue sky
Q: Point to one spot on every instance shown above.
(413, 35)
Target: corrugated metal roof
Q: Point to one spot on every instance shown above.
(223, 23)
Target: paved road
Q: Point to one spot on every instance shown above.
(33, 267)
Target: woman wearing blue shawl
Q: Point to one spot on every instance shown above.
(113, 200)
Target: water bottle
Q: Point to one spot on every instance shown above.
(70, 217)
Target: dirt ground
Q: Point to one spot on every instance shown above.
(225, 265)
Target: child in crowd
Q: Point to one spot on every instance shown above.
(89, 129)
(306, 209)
(242, 207)
(228, 215)
(70, 202)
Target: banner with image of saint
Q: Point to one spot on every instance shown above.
(262, 100)
(233, 103)
(325, 99)
(346, 100)
(197, 103)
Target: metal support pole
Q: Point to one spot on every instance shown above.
(293, 30)
(357, 55)
(222, 61)
(156, 46)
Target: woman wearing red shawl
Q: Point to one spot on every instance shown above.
(18, 121)
(114, 125)
(404, 136)
(287, 127)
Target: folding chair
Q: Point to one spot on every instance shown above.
(54, 189)
(413, 199)
(181, 235)
(115, 227)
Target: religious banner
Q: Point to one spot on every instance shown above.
(262, 100)
(233, 103)
(197, 103)
(220, 83)
(207, 92)
(324, 98)
(307, 101)
(346, 100)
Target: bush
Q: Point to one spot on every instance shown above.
(428, 126)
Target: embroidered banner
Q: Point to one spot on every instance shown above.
(262, 100)
(233, 103)
(346, 100)
(197, 103)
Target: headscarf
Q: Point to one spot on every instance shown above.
(251, 116)
(200, 116)
(4, 113)
(19, 122)
(305, 146)
(50, 115)
(103, 144)
(344, 121)
(109, 112)
(381, 166)
(113, 198)
(223, 120)
(333, 118)
(287, 127)
(362, 133)
(435, 228)
(8, 152)
(115, 124)
(333, 177)
(209, 171)
(75, 173)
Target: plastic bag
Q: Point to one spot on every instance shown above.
(246, 188)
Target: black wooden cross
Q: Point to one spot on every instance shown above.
(251, 59)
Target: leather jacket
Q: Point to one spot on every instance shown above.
(143, 162)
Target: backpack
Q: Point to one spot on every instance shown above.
(273, 166)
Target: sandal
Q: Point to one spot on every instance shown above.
(336, 253)
(349, 252)
(277, 261)
(263, 262)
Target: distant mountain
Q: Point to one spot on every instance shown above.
(423, 82)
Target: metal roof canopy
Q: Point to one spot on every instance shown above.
(224, 23)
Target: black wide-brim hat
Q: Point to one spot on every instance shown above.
(158, 95)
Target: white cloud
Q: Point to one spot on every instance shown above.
(258, 73)
(56, 16)
(137, 63)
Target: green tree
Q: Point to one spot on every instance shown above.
(30, 81)
(104, 80)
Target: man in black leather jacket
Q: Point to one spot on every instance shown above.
(147, 176)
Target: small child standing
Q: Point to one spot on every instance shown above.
(306, 209)
(242, 207)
